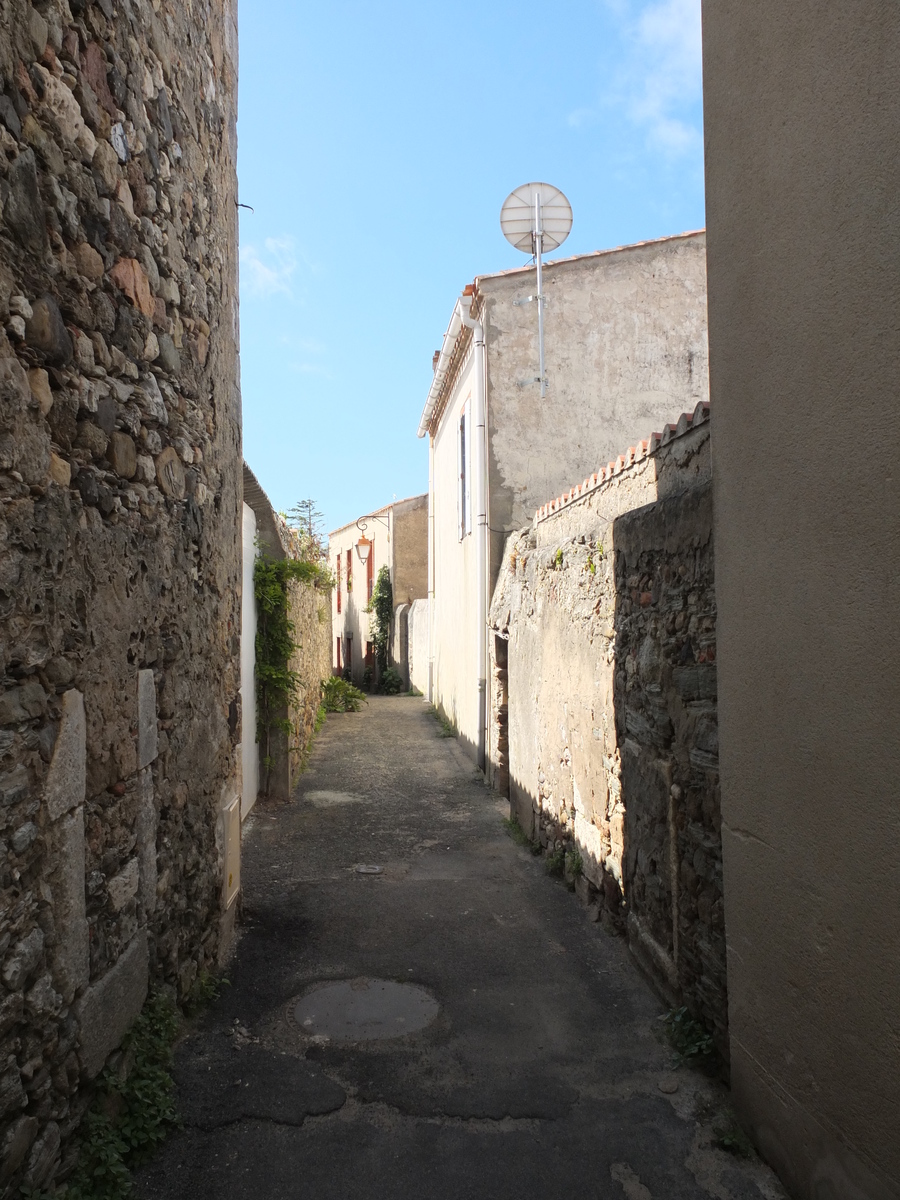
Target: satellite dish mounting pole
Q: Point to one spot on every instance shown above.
(538, 247)
(534, 218)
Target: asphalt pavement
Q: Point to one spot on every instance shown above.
(537, 1070)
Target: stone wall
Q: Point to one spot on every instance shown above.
(119, 534)
(603, 705)
(309, 610)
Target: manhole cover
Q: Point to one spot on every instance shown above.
(363, 1010)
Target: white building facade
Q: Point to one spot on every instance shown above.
(395, 537)
(625, 347)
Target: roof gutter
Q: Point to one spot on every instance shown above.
(443, 363)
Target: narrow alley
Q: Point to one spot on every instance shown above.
(540, 1072)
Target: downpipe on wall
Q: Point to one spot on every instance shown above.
(481, 525)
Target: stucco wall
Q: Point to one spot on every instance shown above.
(419, 623)
(409, 539)
(454, 649)
(625, 338)
(802, 111)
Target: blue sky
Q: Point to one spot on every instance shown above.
(377, 143)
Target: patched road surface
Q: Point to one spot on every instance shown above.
(523, 1062)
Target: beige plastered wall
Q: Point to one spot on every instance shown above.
(625, 352)
(454, 625)
(409, 569)
(802, 108)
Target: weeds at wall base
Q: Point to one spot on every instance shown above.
(133, 1109)
(448, 729)
(520, 837)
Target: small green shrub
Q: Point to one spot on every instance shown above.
(339, 696)
(519, 836)
(556, 862)
(729, 1136)
(368, 675)
(558, 558)
(448, 729)
(688, 1038)
(133, 1109)
(391, 683)
(204, 990)
(574, 864)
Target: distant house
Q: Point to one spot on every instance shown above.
(625, 347)
(396, 537)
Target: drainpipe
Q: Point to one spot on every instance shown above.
(481, 525)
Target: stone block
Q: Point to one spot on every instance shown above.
(122, 455)
(39, 383)
(12, 1094)
(147, 821)
(15, 1145)
(22, 703)
(44, 1157)
(23, 959)
(123, 886)
(60, 471)
(67, 777)
(109, 1007)
(148, 732)
(46, 332)
(71, 954)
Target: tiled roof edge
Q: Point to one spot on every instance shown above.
(633, 455)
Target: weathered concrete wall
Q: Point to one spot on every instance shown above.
(605, 708)
(625, 348)
(802, 111)
(409, 549)
(419, 632)
(120, 532)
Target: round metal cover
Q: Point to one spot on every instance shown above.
(517, 216)
(365, 1010)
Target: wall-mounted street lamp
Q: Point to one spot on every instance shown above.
(364, 545)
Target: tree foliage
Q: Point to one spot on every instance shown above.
(306, 519)
(381, 610)
(276, 683)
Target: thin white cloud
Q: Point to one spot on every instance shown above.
(308, 368)
(268, 271)
(659, 81)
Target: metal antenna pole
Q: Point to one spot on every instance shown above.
(538, 247)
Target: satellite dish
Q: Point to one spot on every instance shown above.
(518, 221)
(534, 218)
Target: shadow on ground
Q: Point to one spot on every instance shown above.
(541, 1075)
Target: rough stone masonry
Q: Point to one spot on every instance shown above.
(604, 707)
(119, 533)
